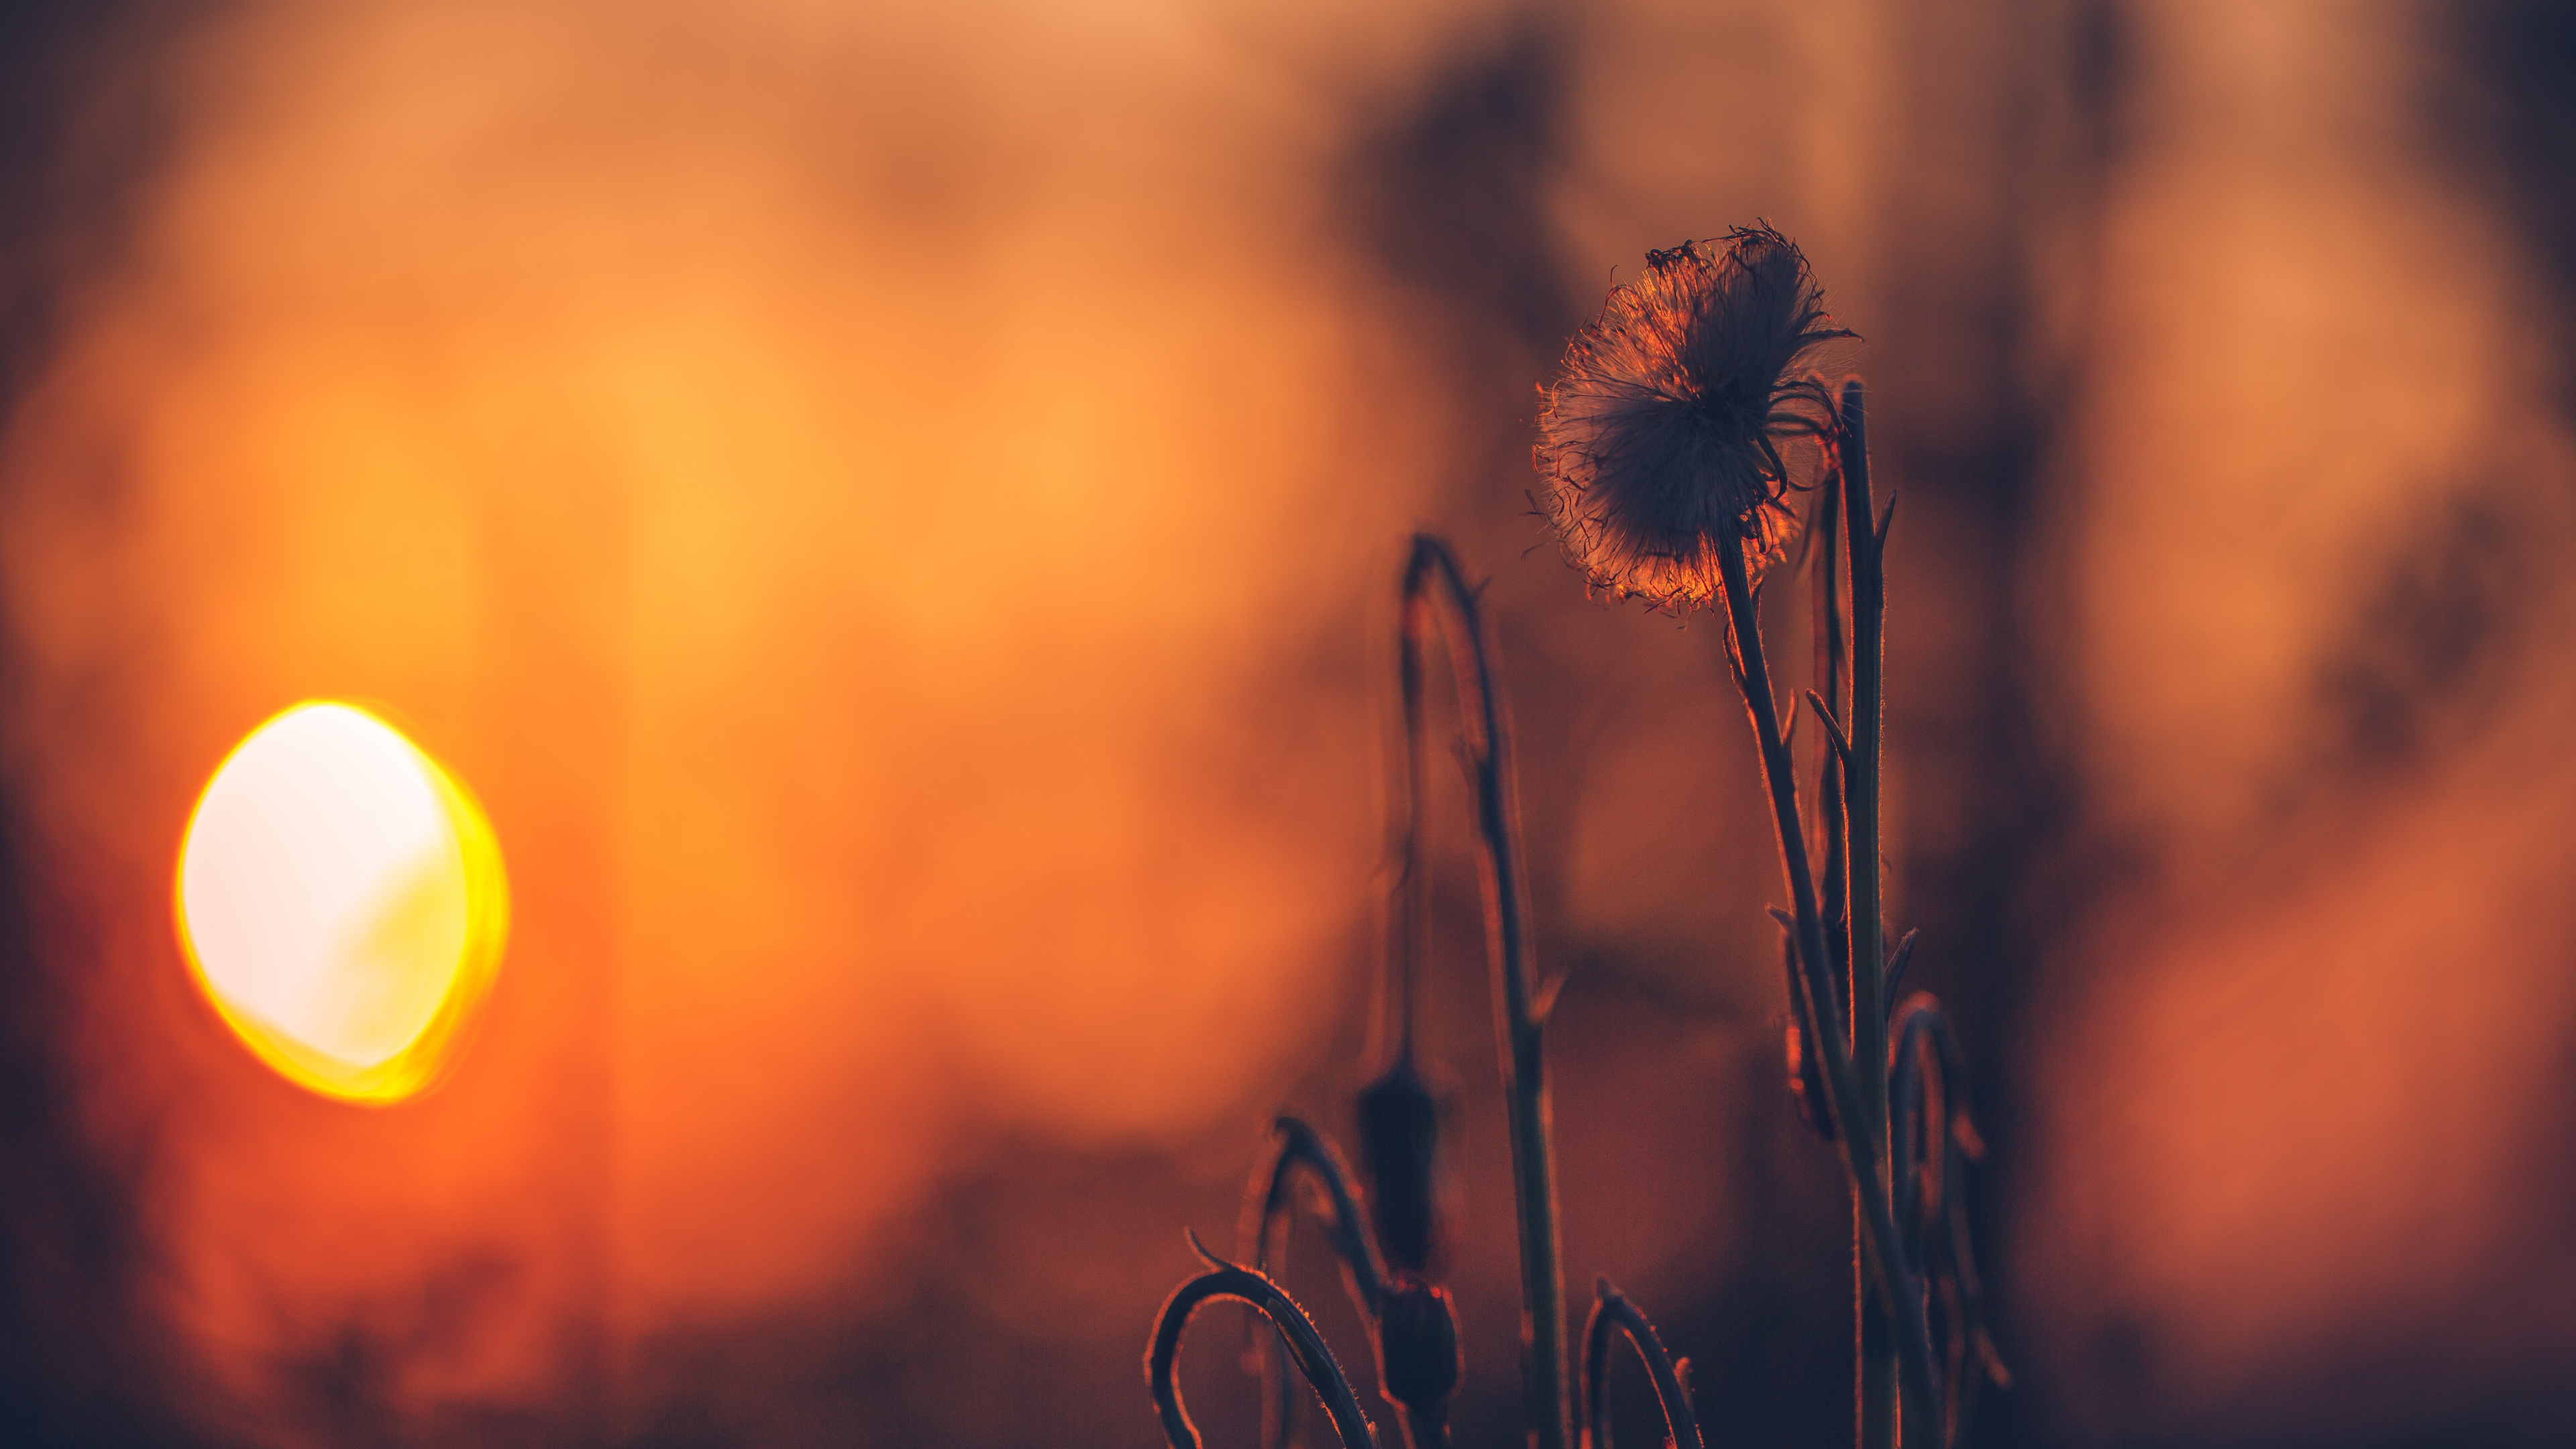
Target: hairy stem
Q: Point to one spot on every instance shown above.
(1433, 587)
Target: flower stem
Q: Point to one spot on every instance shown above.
(1865, 730)
(1881, 1250)
(1433, 585)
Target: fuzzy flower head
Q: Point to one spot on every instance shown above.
(1661, 435)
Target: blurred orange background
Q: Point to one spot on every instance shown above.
(894, 510)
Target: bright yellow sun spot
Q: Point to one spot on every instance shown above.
(341, 902)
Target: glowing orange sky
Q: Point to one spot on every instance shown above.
(840, 542)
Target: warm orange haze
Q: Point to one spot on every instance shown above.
(885, 517)
(342, 903)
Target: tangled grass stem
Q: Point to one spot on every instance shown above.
(1881, 1250)
(1933, 1139)
(1435, 590)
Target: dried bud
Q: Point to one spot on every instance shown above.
(1418, 1358)
(1660, 436)
(1400, 1147)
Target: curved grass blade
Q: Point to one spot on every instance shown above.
(1306, 1349)
(1612, 1313)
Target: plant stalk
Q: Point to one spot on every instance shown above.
(1433, 584)
(1835, 829)
(1881, 1250)
(1865, 729)
(1832, 823)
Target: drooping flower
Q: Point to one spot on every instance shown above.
(1660, 437)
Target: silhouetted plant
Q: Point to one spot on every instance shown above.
(1399, 1295)
(1663, 440)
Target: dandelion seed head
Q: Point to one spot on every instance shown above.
(1661, 435)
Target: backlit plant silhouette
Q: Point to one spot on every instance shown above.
(1666, 440)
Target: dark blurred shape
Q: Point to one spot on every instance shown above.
(83, 125)
(1399, 1119)
(1448, 193)
(81, 1363)
(2419, 666)
(2500, 102)
(2098, 77)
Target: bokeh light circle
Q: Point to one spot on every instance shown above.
(341, 903)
